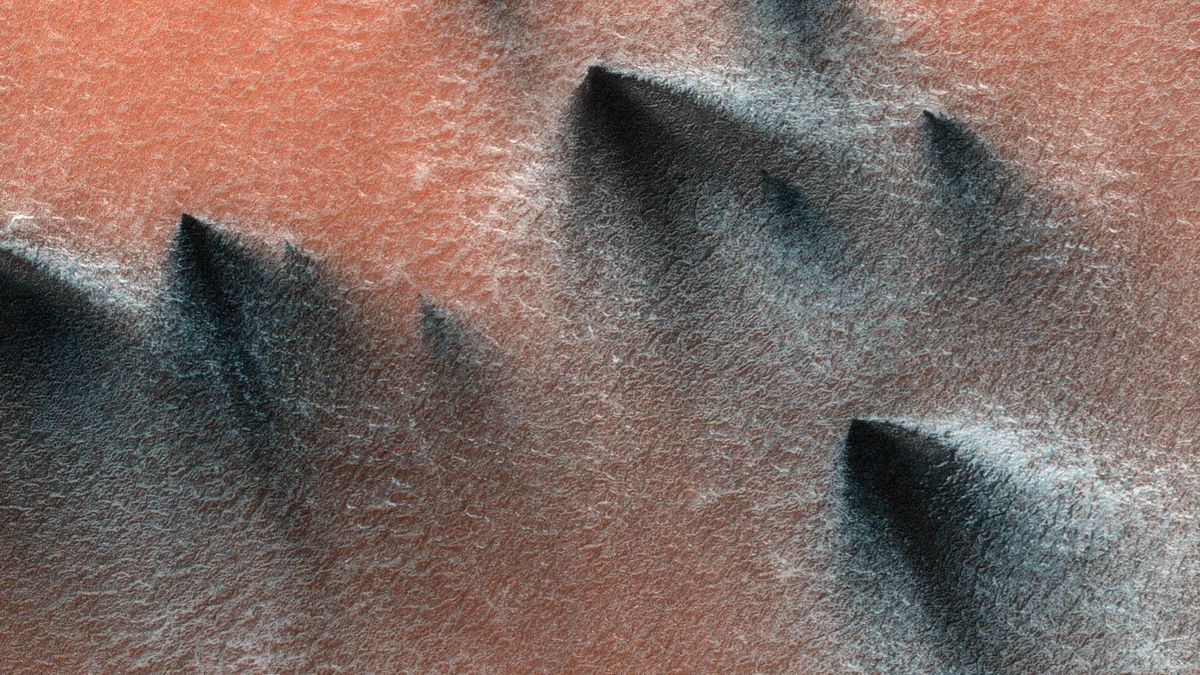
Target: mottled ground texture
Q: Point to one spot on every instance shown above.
(536, 336)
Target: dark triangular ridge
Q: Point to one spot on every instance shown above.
(216, 279)
(632, 116)
(443, 335)
(649, 150)
(931, 504)
(38, 308)
(795, 220)
(213, 274)
(261, 321)
(983, 549)
(964, 164)
(907, 477)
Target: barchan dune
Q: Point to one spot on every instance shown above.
(524, 336)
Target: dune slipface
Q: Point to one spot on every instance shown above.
(711, 337)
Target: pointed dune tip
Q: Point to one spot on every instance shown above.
(433, 317)
(23, 279)
(902, 467)
(605, 90)
(617, 91)
(14, 270)
(785, 198)
(203, 247)
(868, 442)
(950, 140)
(943, 129)
(879, 443)
(597, 73)
(967, 167)
(24, 287)
(641, 117)
(190, 225)
(192, 237)
(442, 333)
(213, 275)
(37, 305)
(195, 235)
(599, 76)
(218, 265)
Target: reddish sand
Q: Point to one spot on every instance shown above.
(382, 135)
